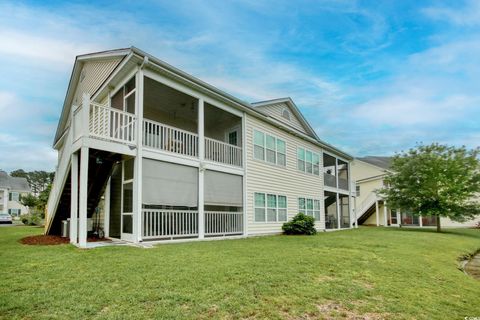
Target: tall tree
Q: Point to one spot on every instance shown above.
(435, 180)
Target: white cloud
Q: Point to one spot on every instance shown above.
(469, 15)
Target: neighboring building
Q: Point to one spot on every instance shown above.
(12, 189)
(371, 209)
(174, 157)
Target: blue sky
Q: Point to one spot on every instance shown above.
(372, 77)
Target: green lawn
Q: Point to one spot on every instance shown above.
(375, 273)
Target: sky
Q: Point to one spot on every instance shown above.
(371, 77)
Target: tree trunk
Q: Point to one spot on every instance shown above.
(439, 228)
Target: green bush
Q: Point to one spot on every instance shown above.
(31, 219)
(300, 224)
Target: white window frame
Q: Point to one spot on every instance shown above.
(265, 149)
(266, 207)
(306, 163)
(313, 210)
(15, 196)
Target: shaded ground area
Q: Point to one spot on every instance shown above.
(369, 273)
(51, 240)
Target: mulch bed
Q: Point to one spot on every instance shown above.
(44, 240)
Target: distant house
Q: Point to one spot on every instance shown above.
(12, 189)
(175, 158)
(372, 209)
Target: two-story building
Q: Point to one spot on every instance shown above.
(168, 156)
(11, 191)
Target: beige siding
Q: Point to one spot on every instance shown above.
(287, 181)
(362, 170)
(94, 73)
(275, 111)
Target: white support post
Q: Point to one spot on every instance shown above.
(350, 197)
(420, 221)
(338, 208)
(86, 114)
(83, 198)
(74, 199)
(377, 213)
(355, 211)
(385, 221)
(137, 180)
(201, 171)
(399, 222)
(244, 163)
(5, 200)
(106, 208)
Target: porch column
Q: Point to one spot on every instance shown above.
(244, 180)
(106, 208)
(83, 197)
(338, 208)
(399, 217)
(420, 222)
(377, 217)
(385, 218)
(74, 199)
(138, 170)
(201, 171)
(5, 200)
(355, 211)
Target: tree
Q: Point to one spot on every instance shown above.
(38, 180)
(29, 201)
(435, 180)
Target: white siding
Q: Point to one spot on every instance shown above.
(275, 111)
(264, 177)
(93, 74)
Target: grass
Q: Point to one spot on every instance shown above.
(371, 273)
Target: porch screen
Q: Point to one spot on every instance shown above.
(169, 184)
(223, 189)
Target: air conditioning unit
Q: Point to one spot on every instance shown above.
(66, 227)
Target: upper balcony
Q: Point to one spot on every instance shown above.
(335, 172)
(170, 124)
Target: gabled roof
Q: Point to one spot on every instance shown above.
(262, 105)
(378, 161)
(13, 183)
(138, 57)
(74, 80)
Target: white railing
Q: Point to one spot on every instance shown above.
(223, 223)
(160, 136)
(160, 223)
(366, 204)
(222, 152)
(112, 124)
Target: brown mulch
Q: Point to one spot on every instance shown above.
(44, 240)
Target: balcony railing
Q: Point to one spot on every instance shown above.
(112, 124)
(157, 135)
(224, 223)
(159, 223)
(222, 152)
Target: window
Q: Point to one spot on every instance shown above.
(259, 145)
(14, 196)
(310, 207)
(270, 207)
(269, 148)
(357, 190)
(301, 159)
(308, 161)
(14, 212)
(286, 114)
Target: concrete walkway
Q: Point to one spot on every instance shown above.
(473, 267)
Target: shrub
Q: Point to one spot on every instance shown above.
(31, 219)
(300, 224)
